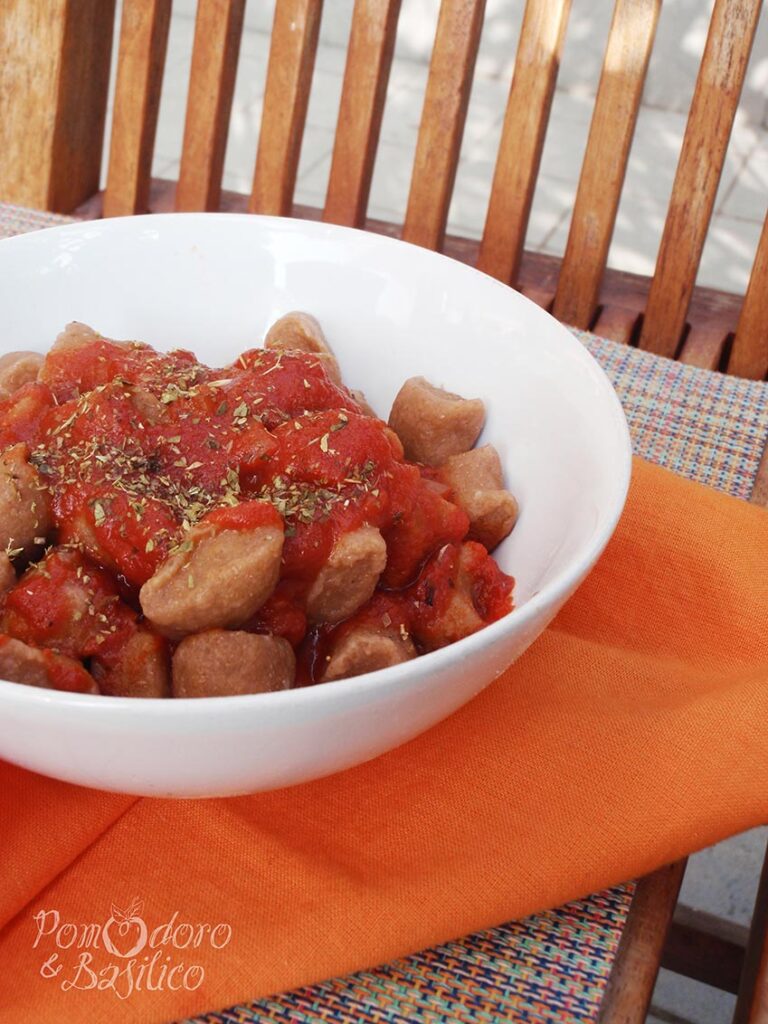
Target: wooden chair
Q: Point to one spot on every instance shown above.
(51, 143)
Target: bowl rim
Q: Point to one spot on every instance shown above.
(393, 676)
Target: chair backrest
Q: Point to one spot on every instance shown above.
(656, 314)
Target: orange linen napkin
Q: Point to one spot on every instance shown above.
(633, 732)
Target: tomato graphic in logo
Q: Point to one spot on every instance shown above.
(125, 932)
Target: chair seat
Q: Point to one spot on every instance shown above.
(551, 967)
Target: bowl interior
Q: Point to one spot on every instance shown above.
(214, 283)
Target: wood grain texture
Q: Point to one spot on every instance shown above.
(29, 79)
(442, 121)
(749, 355)
(630, 986)
(141, 59)
(760, 489)
(616, 322)
(703, 346)
(522, 138)
(718, 87)
(218, 30)
(623, 294)
(289, 77)
(366, 76)
(630, 41)
(541, 296)
(54, 77)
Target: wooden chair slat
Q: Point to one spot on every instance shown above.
(218, 29)
(442, 121)
(760, 489)
(366, 76)
(292, 52)
(718, 88)
(522, 138)
(703, 347)
(54, 81)
(630, 986)
(630, 41)
(541, 296)
(749, 355)
(624, 294)
(617, 323)
(143, 44)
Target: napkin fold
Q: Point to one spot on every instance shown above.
(633, 732)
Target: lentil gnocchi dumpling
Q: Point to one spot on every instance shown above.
(174, 530)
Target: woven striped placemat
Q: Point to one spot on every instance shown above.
(553, 966)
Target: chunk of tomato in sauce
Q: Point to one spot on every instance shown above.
(426, 521)
(210, 432)
(247, 515)
(459, 590)
(333, 447)
(332, 472)
(89, 363)
(105, 522)
(491, 587)
(67, 604)
(284, 385)
(66, 674)
(282, 614)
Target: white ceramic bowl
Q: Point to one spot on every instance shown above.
(214, 283)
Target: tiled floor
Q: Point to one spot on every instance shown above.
(743, 195)
(721, 880)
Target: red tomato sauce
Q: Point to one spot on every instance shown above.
(66, 675)
(21, 415)
(417, 612)
(62, 673)
(68, 604)
(134, 448)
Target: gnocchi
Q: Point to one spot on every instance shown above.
(174, 530)
(365, 649)
(217, 578)
(300, 332)
(222, 662)
(349, 576)
(25, 519)
(477, 485)
(17, 369)
(434, 424)
(20, 663)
